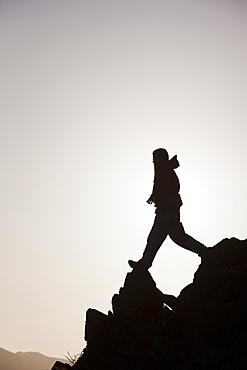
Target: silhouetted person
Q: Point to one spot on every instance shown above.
(167, 201)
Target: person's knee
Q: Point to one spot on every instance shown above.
(177, 234)
(176, 238)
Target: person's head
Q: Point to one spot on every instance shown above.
(160, 155)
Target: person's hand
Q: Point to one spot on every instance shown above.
(150, 200)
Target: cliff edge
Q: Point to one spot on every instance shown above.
(204, 327)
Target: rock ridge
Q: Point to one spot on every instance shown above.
(204, 327)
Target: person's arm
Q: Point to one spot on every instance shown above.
(150, 199)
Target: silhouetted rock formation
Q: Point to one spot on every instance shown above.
(204, 328)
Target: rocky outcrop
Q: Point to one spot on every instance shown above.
(204, 327)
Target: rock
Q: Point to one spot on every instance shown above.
(121, 338)
(61, 366)
(98, 326)
(204, 328)
(213, 309)
(139, 299)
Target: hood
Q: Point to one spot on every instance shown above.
(174, 162)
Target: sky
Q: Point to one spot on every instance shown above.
(88, 90)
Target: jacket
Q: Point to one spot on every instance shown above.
(166, 186)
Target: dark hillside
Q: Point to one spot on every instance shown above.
(204, 328)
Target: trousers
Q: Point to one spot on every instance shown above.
(165, 224)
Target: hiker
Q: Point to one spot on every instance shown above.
(167, 201)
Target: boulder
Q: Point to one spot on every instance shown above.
(204, 327)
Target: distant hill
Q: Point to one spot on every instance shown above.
(25, 361)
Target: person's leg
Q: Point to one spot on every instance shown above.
(155, 239)
(178, 235)
(163, 223)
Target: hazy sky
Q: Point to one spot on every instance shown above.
(89, 88)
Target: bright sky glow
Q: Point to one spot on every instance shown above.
(88, 90)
